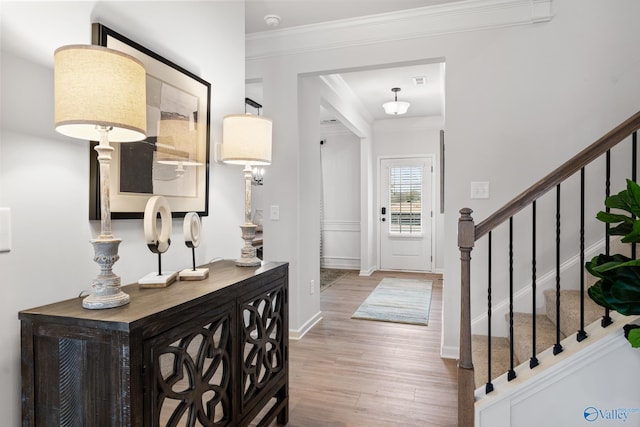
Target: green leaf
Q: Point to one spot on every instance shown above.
(595, 292)
(627, 200)
(633, 190)
(621, 229)
(632, 333)
(633, 235)
(603, 263)
(613, 218)
(619, 285)
(616, 202)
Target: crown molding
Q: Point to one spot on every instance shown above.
(469, 15)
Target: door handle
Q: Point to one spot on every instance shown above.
(384, 211)
(383, 219)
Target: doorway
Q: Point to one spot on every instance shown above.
(406, 213)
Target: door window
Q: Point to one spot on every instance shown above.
(405, 200)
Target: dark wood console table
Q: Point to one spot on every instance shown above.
(198, 353)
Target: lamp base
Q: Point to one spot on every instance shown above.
(248, 256)
(105, 289)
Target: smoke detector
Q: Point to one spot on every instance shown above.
(272, 20)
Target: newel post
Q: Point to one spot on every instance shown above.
(466, 381)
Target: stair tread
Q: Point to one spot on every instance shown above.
(570, 310)
(499, 357)
(523, 332)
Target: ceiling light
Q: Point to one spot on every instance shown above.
(395, 107)
(272, 20)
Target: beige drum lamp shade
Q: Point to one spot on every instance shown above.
(177, 143)
(97, 86)
(246, 140)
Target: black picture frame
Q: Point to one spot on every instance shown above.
(136, 174)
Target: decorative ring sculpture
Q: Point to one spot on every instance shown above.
(191, 230)
(157, 242)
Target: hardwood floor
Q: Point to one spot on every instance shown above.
(361, 373)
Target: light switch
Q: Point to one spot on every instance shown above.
(480, 190)
(5, 229)
(275, 213)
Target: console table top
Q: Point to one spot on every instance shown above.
(147, 302)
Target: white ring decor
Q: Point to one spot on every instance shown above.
(191, 230)
(157, 242)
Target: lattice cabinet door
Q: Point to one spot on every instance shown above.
(264, 333)
(191, 379)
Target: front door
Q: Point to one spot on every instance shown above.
(406, 213)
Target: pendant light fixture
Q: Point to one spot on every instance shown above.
(396, 107)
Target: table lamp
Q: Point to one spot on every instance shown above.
(177, 144)
(100, 94)
(246, 140)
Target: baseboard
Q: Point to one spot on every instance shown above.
(369, 272)
(449, 352)
(343, 263)
(297, 334)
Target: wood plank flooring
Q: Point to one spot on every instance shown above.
(361, 373)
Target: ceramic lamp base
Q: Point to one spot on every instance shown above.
(105, 289)
(248, 256)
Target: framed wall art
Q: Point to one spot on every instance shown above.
(173, 161)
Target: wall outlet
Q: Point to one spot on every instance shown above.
(312, 287)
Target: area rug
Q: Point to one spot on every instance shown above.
(399, 301)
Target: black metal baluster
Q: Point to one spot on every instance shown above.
(511, 374)
(557, 348)
(606, 319)
(634, 155)
(582, 334)
(489, 385)
(534, 360)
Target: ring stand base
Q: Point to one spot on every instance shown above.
(155, 280)
(191, 274)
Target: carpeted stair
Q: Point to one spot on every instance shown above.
(523, 329)
(545, 327)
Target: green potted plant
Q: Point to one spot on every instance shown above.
(618, 287)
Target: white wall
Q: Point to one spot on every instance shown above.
(341, 198)
(44, 176)
(520, 100)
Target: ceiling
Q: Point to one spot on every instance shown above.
(372, 87)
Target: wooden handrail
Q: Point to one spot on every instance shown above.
(563, 172)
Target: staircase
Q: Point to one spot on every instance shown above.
(523, 331)
(545, 327)
(568, 314)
